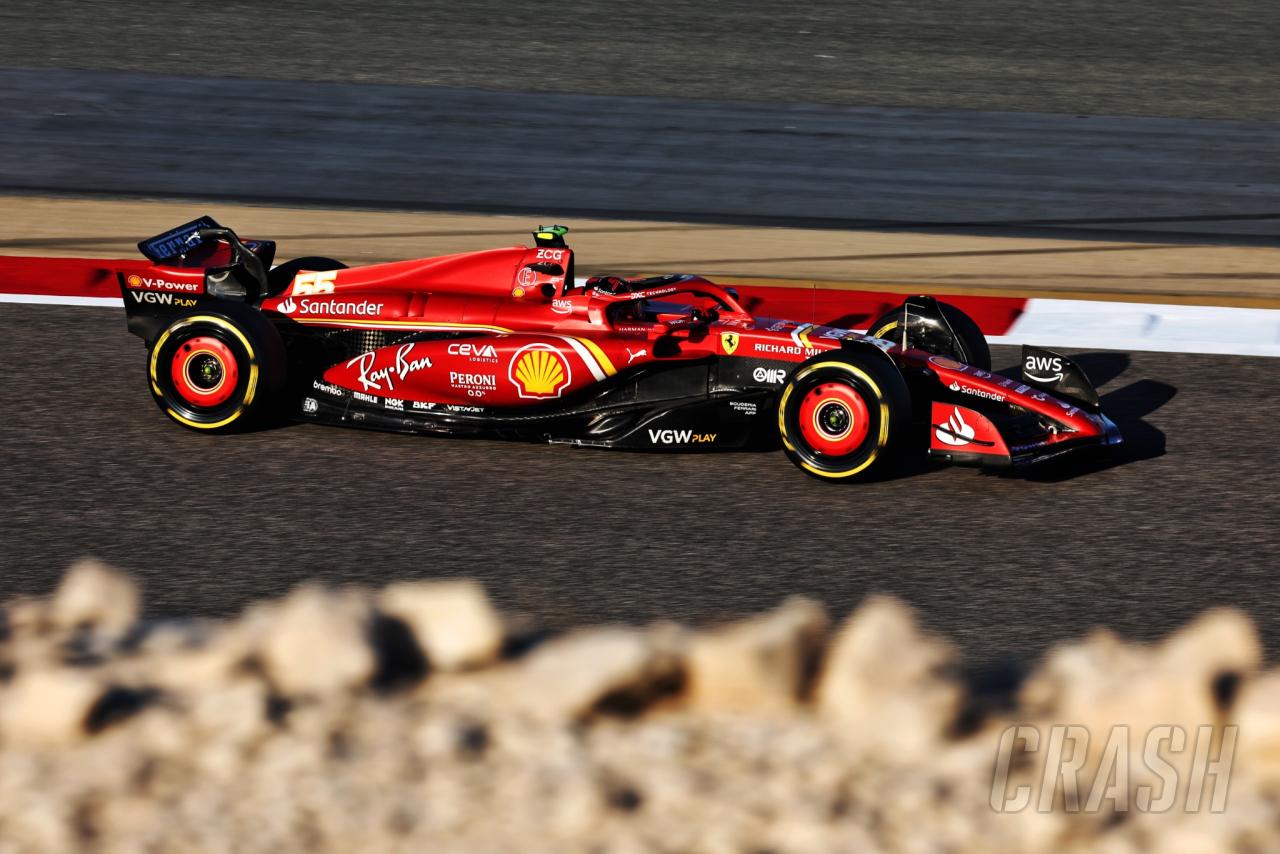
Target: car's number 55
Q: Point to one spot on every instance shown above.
(314, 283)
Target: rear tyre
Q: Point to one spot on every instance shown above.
(842, 415)
(217, 369)
(924, 334)
(281, 277)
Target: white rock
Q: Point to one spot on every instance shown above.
(568, 676)
(319, 643)
(881, 684)
(93, 594)
(453, 621)
(47, 707)
(758, 665)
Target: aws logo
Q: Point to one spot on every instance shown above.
(1043, 369)
(539, 371)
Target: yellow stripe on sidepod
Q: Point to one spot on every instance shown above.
(605, 364)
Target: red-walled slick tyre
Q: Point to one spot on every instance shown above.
(842, 414)
(217, 369)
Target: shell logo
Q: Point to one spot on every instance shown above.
(539, 371)
(133, 281)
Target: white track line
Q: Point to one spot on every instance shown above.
(45, 299)
(1058, 323)
(1145, 326)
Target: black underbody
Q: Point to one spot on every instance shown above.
(682, 405)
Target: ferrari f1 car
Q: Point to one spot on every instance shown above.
(508, 343)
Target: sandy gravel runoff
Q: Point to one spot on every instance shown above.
(873, 260)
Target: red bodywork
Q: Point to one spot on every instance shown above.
(523, 334)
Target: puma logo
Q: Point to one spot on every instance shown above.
(631, 357)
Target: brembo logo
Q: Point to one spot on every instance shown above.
(310, 306)
(1043, 369)
(680, 437)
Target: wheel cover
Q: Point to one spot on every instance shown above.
(204, 371)
(833, 419)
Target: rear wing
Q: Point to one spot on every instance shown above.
(175, 242)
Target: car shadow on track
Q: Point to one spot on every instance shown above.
(1127, 406)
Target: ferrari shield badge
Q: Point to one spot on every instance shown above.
(729, 340)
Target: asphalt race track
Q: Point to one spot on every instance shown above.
(1186, 520)
(1141, 120)
(1184, 58)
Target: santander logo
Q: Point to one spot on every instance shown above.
(364, 308)
(957, 431)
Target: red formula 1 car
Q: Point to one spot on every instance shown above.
(507, 343)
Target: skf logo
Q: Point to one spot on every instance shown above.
(539, 371)
(314, 283)
(729, 340)
(680, 437)
(1043, 369)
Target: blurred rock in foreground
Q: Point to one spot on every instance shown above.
(407, 720)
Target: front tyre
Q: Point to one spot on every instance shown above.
(841, 415)
(925, 333)
(218, 369)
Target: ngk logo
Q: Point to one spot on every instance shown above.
(769, 375)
